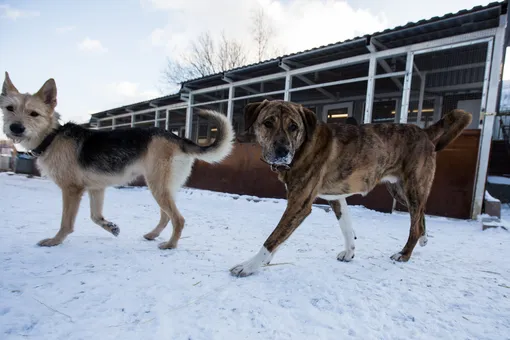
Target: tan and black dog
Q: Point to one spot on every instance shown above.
(79, 159)
(313, 161)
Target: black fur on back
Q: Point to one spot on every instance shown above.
(112, 151)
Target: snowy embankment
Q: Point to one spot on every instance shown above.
(96, 286)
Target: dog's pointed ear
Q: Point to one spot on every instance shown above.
(251, 113)
(48, 93)
(309, 120)
(8, 86)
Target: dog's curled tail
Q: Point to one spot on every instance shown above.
(448, 128)
(223, 143)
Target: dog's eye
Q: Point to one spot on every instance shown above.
(268, 124)
(10, 108)
(293, 127)
(34, 114)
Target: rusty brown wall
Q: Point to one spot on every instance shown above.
(241, 173)
(244, 173)
(451, 195)
(452, 191)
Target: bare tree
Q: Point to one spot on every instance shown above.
(206, 56)
(231, 54)
(263, 32)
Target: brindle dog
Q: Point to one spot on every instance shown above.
(313, 161)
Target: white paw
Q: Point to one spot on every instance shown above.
(399, 257)
(423, 241)
(251, 266)
(244, 269)
(345, 256)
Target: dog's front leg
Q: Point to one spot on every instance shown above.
(298, 208)
(96, 212)
(71, 197)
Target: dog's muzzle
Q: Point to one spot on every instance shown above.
(15, 139)
(16, 132)
(275, 167)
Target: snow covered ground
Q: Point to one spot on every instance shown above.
(96, 286)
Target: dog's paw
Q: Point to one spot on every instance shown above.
(113, 228)
(423, 241)
(345, 256)
(166, 245)
(150, 236)
(251, 266)
(399, 257)
(243, 270)
(49, 242)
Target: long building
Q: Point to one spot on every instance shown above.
(409, 74)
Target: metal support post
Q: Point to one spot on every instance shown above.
(189, 116)
(407, 88)
(369, 102)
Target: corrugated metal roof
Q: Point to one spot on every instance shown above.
(463, 21)
(172, 97)
(366, 37)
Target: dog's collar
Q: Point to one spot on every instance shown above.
(277, 167)
(39, 150)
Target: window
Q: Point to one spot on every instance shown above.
(384, 111)
(337, 113)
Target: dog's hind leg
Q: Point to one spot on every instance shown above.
(167, 204)
(71, 197)
(416, 212)
(423, 238)
(158, 182)
(397, 192)
(343, 216)
(163, 221)
(160, 176)
(96, 212)
(417, 191)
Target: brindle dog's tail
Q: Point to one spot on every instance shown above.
(223, 143)
(448, 128)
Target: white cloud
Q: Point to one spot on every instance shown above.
(14, 14)
(65, 29)
(77, 118)
(298, 25)
(164, 4)
(91, 45)
(157, 37)
(129, 92)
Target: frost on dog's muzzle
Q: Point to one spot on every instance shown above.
(276, 166)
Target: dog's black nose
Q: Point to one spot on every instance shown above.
(281, 151)
(17, 128)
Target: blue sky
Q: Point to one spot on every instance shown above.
(37, 47)
(104, 54)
